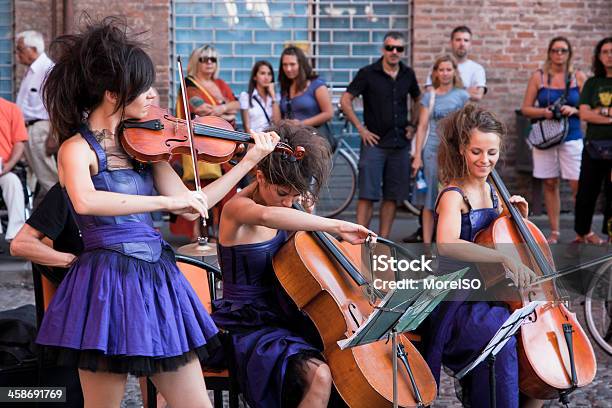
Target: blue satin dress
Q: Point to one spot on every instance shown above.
(457, 330)
(124, 306)
(268, 334)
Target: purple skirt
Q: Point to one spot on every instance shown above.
(117, 313)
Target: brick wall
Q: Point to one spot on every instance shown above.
(510, 40)
(150, 15)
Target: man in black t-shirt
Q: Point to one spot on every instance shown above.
(386, 86)
(52, 220)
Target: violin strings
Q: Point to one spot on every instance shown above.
(229, 134)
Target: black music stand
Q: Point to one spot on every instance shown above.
(400, 311)
(499, 340)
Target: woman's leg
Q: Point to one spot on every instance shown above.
(161, 402)
(102, 389)
(553, 206)
(428, 225)
(318, 384)
(185, 387)
(589, 185)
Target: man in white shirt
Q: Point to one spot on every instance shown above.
(30, 50)
(472, 74)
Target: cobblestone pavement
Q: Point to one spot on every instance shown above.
(16, 290)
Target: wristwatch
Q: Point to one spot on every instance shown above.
(605, 111)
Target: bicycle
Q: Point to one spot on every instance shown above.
(598, 307)
(341, 186)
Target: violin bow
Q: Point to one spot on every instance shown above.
(194, 156)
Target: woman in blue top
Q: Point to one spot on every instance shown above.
(304, 96)
(123, 307)
(457, 330)
(276, 351)
(448, 96)
(545, 88)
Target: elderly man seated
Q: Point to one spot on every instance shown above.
(13, 134)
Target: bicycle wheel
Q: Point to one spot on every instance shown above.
(598, 308)
(338, 193)
(411, 208)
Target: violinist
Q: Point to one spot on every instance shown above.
(471, 141)
(124, 307)
(277, 358)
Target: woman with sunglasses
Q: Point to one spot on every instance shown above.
(208, 95)
(543, 100)
(304, 96)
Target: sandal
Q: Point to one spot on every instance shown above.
(553, 238)
(593, 238)
(590, 238)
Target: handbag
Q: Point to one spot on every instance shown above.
(599, 149)
(546, 133)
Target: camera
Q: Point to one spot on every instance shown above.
(555, 108)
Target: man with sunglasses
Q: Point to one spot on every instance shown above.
(472, 74)
(385, 137)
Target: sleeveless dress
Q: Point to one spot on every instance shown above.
(546, 96)
(124, 306)
(267, 334)
(458, 329)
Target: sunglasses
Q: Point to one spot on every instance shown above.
(207, 59)
(397, 48)
(559, 50)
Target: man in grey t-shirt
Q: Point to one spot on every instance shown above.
(472, 74)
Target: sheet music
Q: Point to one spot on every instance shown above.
(406, 306)
(501, 337)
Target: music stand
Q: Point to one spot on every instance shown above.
(499, 340)
(400, 311)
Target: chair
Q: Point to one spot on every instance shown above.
(203, 277)
(20, 169)
(46, 281)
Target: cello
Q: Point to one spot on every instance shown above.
(555, 354)
(320, 276)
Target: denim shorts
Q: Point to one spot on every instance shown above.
(387, 167)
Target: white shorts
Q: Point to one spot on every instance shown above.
(561, 160)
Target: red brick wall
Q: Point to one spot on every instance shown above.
(510, 40)
(151, 16)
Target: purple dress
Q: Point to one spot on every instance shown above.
(124, 306)
(457, 331)
(269, 337)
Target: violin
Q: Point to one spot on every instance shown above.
(159, 135)
(555, 354)
(320, 276)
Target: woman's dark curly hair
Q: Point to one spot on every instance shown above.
(102, 57)
(307, 175)
(598, 67)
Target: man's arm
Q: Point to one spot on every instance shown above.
(476, 93)
(29, 244)
(415, 112)
(346, 104)
(16, 154)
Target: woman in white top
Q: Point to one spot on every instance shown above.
(258, 105)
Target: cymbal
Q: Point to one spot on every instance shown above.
(198, 249)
